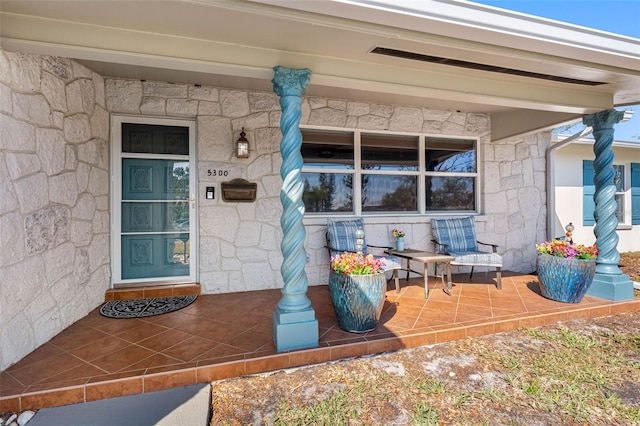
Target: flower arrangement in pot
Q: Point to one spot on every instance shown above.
(356, 264)
(565, 270)
(357, 285)
(399, 235)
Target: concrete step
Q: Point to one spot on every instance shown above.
(186, 406)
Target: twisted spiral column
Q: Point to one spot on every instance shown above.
(605, 201)
(290, 84)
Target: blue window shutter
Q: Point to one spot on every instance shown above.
(635, 193)
(588, 191)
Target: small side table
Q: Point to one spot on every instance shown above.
(425, 257)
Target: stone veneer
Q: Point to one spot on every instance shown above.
(54, 207)
(54, 177)
(240, 242)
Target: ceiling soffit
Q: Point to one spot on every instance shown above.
(234, 51)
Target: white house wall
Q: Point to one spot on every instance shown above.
(240, 242)
(568, 193)
(54, 207)
(54, 175)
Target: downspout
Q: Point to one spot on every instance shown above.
(551, 179)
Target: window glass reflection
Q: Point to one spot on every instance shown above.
(327, 192)
(620, 207)
(450, 155)
(385, 193)
(450, 193)
(389, 152)
(618, 178)
(155, 139)
(327, 149)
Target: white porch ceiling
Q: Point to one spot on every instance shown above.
(236, 44)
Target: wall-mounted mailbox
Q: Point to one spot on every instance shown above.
(239, 190)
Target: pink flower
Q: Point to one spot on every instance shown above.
(563, 248)
(398, 233)
(354, 264)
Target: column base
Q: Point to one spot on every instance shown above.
(295, 330)
(611, 287)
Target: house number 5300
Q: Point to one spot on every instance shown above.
(214, 172)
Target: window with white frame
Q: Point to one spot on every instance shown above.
(619, 182)
(356, 172)
(627, 182)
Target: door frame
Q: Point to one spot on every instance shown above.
(116, 198)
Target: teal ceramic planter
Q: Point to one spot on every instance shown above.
(564, 280)
(357, 300)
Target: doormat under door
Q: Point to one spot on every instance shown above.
(139, 308)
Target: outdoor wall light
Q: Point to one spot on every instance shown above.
(242, 146)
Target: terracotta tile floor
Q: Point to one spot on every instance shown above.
(228, 335)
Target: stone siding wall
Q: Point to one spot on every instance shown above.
(515, 198)
(240, 242)
(54, 207)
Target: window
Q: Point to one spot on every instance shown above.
(368, 173)
(328, 171)
(450, 174)
(627, 193)
(618, 181)
(389, 173)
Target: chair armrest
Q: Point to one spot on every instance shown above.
(333, 251)
(380, 247)
(493, 246)
(445, 247)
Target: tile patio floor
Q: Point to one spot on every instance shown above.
(228, 335)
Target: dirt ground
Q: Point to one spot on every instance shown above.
(576, 373)
(630, 264)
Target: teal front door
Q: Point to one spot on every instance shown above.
(156, 202)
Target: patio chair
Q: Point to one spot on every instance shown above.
(457, 237)
(341, 237)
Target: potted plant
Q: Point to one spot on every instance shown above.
(565, 270)
(399, 236)
(357, 285)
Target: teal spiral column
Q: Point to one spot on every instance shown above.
(294, 322)
(609, 282)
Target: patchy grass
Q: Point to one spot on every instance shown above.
(578, 372)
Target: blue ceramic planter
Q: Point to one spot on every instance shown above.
(565, 280)
(357, 300)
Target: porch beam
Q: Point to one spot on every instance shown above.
(609, 282)
(294, 322)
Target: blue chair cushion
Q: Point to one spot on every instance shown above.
(342, 234)
(476, 258)
(342, 237)
(458, 234)
(391, 262)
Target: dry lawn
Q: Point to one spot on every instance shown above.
(576, 373)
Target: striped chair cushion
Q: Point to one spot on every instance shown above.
(342, 237)
(477, 258)
(458, 234)
(391, 262)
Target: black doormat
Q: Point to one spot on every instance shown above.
(139, 308)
